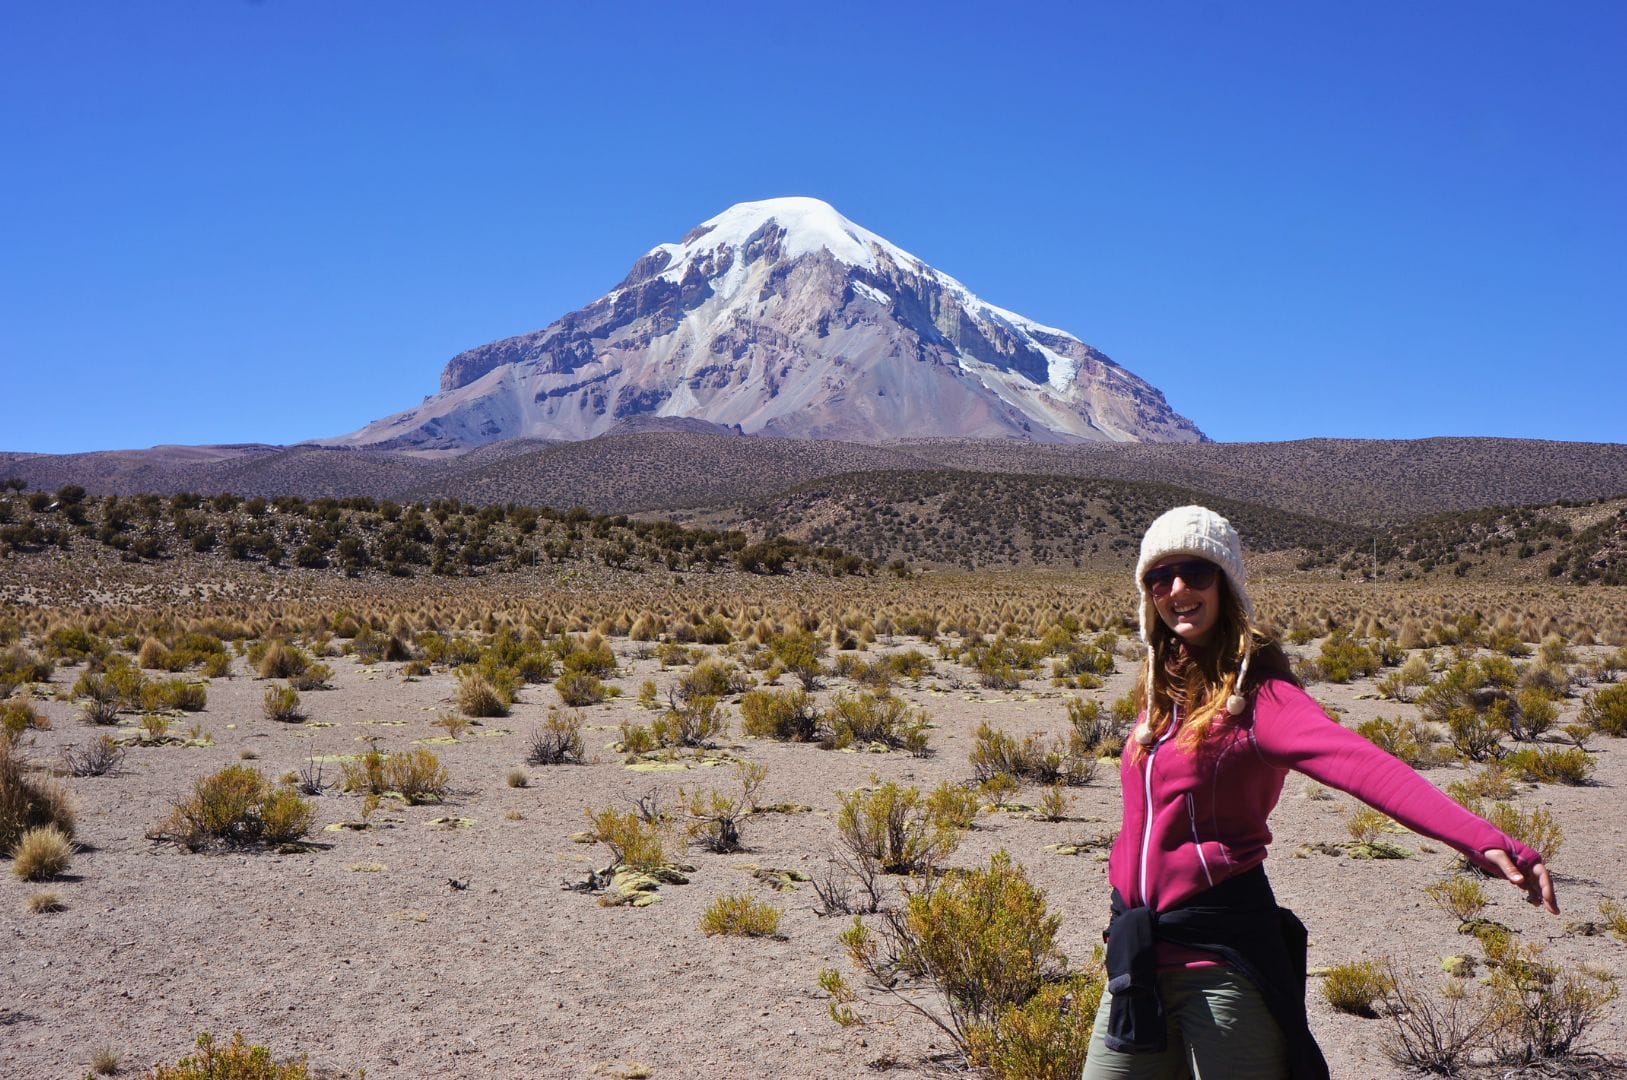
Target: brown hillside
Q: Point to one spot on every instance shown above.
(1359, 481)
(973, 520)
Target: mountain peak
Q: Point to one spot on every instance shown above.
(805, 225)
(782, 317)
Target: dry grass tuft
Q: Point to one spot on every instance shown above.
(41, 854)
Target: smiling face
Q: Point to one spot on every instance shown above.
(1190, 613)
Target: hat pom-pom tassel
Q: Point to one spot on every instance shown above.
(1236, 704)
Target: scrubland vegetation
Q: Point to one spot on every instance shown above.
(879, 802)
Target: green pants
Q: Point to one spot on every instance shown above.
(1219, 1029)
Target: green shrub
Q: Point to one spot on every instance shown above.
(17, 715)
(984, 944)
(18, 667)
(877, 719)
(1461, 897)
(892, 829)
(237, 807)
(1538, 829)
(799, 652)
(234, 1061)
(711, 678)
(316, 676)
(1343, 658)
(416, 775)
(180, 694)
(779, 714)
(579, 688)
(1044, 1038)
(1605, 710)
(953, 805)
(1492, 781)
(715, 816)
(634, 843)
(1354, 987)
(1547, 765)
(1098, 730)
(73, 644)
(591, 656)
(1542, 1011)
(739, 915)
(1413, 741)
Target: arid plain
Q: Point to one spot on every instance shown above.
(444, 938)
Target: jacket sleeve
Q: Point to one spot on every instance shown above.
(1291, 731)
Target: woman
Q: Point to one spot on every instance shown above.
(1206, 973)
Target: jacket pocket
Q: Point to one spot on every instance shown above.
(1197, 844)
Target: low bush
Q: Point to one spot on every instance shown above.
(1605, 710)
(711, 678)
(416, 775)
(1354, 987)
(1537, 829)
(1097, 729)
(1343, 658)
(633, 842)
(1542, 1011)
(99, 757)
(877, 719)
(1548, 765)
(953, 805)
(984, 944)
(276, 659)
(477, 696)
(579, 688)
(1491, 781)
(1461, 897)
(892, 829)
(180, 694)
(17, 715)
(715, 816)
(235, 1061)
(26, 801)
(237, 807)
(1044, 1038)
(779, 714)
(316, 676)
(557, 742)
(1433, 1033)
(19, 667)
(1413, 741)
(739, 915)
(281, 703)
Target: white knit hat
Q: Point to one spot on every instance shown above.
(1193, 530)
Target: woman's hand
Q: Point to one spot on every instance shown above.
(1538, 886)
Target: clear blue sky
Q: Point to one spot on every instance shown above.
(276, 221)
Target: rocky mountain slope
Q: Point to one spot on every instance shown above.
(784, 318)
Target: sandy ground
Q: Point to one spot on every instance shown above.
(360, 953)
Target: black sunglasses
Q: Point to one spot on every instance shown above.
(1197, 573)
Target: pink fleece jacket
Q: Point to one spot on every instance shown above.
(1194, 819)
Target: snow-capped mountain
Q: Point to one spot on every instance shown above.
(782, 317)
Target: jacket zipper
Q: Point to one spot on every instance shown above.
(1146, 822)
(1192, 817)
